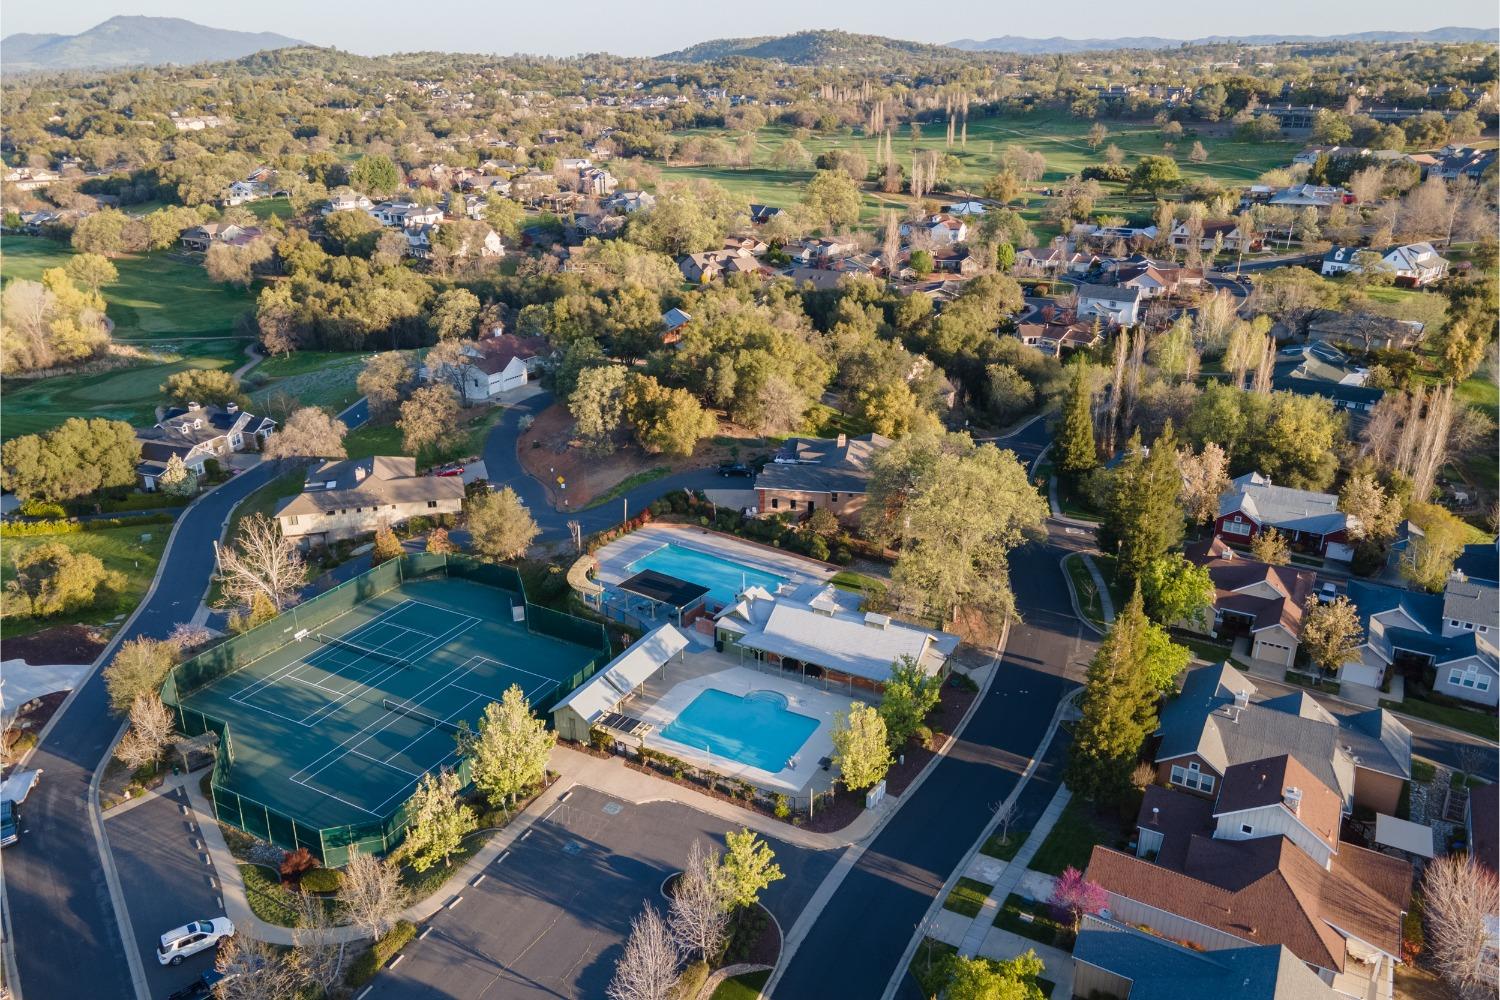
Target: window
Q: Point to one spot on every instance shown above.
(1191, 777)
(793, 504)
(1468, 626)
(1483, 629)
(833, 498)
(1236, 528)
(775, 503)
(359, 510)
(1453, 623)
(1246, 829)
(292, 519)
(431, 504)
(329, 513)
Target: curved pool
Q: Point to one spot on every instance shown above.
(758, 729)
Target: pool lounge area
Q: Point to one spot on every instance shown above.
(757, 728)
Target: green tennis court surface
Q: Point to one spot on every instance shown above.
(336, 727)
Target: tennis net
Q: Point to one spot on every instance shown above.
(375, 654)
(401, 708)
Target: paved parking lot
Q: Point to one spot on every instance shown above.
(166, 881)
(549, 918)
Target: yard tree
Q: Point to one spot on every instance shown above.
(387, 545)
(310, 432)
(453, 314)
(375, 175)
(598, 405)
(1074, 450)
(747, 867)
(1429, 557)
(371, 894)
(1205, 477)
(666, 420)
(1076, 896)
(151, 724)
(1331, 633)
(91, 271)
(921, 262)
(137, 670)
(648, 967)
(1459, 900)
(1142, 519)
(1011, 394)
(508, 753)
(317, 954)
(699, 913)
(254, 970)
(687, 218)
(1270, 546)
(1005, 256)
(439, 821)
(438, 542)
(429, 419)
(832, 199)
(1004, 187)
(991, 979)
(73, 460)
(263, 564)
(791, 155)
(208, 386)
(1154, 175)
(1177, 590)
(501, 526)
(52, 579)
(860, 747)
(909, 697)
(1119, 709)
(1098, 132)
(177, 479)
(1375, 513)
(1164, 659)
(386, 379)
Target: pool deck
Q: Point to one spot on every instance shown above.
(615, 558)
(672, 690)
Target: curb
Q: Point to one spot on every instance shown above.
(1073, 594)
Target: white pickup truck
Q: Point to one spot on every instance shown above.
(13, 792)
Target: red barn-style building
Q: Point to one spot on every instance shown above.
(1311, 522)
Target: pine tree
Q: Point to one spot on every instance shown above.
(1076, 452)
(1143, 519)
(1119, 709)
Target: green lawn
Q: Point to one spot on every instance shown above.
(122, 549)
(1072, 840)
(967, 897)
(1033, 921)
(1083, 585)
(1007, 847)
(385, 439)
(1475, 721)
(162, 303)
(313, 378)
(627, 484)
(266, 499)
(746, 986)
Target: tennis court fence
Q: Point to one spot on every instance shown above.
(335, 845)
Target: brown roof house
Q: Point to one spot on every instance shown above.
(355, 496)
(1255, 599)
(1262, 864)
(808, 473)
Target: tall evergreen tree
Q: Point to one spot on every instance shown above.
(1119, 709)
(1143, 519)
(1076, 454)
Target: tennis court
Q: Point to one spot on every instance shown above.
(335, 726)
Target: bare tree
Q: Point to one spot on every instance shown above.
(371, 895)
(648, 968)
(308, 433)
(1458, 899)
(262, 566)
(1205, 477)
(150, 731)
(254, 970)
(699, 917)
(188, 636)
(1004, 813)
(319, 956)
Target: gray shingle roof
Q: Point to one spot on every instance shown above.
(1108, 293)
(1471, 601)
(823, 465)
(369, 482)
(1284, 507)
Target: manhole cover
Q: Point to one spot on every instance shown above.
(572, 847)
(612, 808)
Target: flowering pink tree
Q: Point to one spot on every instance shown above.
(1076, 895)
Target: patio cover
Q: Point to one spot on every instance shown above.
(605, 690)
(1404, 835)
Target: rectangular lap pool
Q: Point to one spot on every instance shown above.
(757, 729)
(724, 579)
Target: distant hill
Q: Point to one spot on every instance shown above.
(1032, 46)
(133, 41)
(808, 48)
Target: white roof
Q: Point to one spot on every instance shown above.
(1404, 835)
(626, 672)
(19, 785)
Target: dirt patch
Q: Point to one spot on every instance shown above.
(59, 644)
(943, 721)
(550, 451)
(21, 735)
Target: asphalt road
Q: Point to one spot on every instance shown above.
(551, 917)
(66, 938)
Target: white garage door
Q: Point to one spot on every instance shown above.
(513, 382)
(1275, 652)
(1340, 552)
(1361, 673)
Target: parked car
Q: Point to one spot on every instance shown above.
(9, 831)
(203, 987)
(13, 792)
(450, 470)
(192, 938)
(735, 469)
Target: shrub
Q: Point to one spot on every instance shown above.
(1107, 172)
(599, 739)
(41, 508)
(842, 555)
(963, 682)
(322, 880)
(363, 969)
(297, 864)
(818, 548)
(923, 735)
(1413, 937)
(783, 806)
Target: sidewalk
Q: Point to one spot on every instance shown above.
(1106, 603)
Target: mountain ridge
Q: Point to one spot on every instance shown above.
(1021, 45)
(806, 48)
(134, 40)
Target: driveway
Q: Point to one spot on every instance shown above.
(550, 917)
(58, 899)
(157, 844)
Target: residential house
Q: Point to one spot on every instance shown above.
(939, 229)
(818, 252)
(1082, 262)
(1412, 264)
(808, 473)
(1367, 330)
(354, 497)
(1317, 368)
(196, 433)
(1261, 862)
(626, 202)
(1479, 562)
(1104, 236)
(1446, 641)
(1224, 231)
(1055, 337)
(406, 214)
(1156, 279)
(967, 209)
(820, 278)
(1041, 261)
(1120, 306)
(750, 244)
(1319, 196)
(818, 630)
(673, 321)
(1254, 599)
(31, 178)
(1311, 522)
(242, 192)
(484, 243)
(596, 181)
(1116, 960)
(954, 260)
(1482, 825)
(200, 238)
(1463, 161)
(761, 214)
(348, 201)
(702, 268)
(495, 365)
(1213, 725)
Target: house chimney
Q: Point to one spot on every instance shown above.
(231, 408)
(193, 406)
(1291, 797)
(843, 439)
(1242, 699)
(359, 473)
(1156, 816)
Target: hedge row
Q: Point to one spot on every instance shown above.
(369, 962)
(71, 526)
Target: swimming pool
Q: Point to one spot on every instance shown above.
(724, 579)
(757, 729)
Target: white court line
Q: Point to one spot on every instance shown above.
(297, 665)
(387, 763)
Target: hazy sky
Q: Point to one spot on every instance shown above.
(651, 27)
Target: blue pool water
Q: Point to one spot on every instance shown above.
(724, 579)
(755, 729)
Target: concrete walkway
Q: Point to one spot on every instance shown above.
(1106, 604)
(1010, 877)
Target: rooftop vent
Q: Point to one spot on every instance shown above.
(1291, 796)
(231, 408)
(193, 406)
(1242, 699)
(877, 620)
